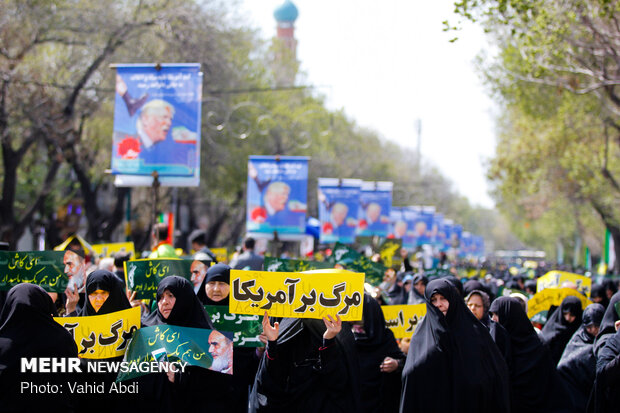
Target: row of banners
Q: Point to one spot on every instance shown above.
(348, 208)
(157, 123)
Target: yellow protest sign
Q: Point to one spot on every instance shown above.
(543, 300)
(555, 279)
(312, 294)
(221, 254)
(108, 250)
(403, 319)
(102, 336)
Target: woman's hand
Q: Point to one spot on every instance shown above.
(388, 365)
(72, 300)
(333, 326)
(270, 333)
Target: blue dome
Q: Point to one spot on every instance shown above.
(286, 12)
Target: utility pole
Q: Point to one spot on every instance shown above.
(418, 125)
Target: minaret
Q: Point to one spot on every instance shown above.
(285, 16)
(286, 44)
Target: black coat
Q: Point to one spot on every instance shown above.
(116, 301)
(557, 331)
(197, 389)
(28, 330)
(607, 328)
(534, 382)
(453, 365)
(380, 391)
(245, 360)
(301, 372)
(605, 395)
(578, 364)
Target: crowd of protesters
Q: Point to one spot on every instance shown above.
(475, 350)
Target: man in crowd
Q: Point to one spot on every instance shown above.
(248, 260)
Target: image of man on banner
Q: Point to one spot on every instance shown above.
(221, 349)
(338, 209)
(198, 270)
(338, 216)
(75, 264)
(374, 212)
(152, 142)
(275, 208)
(157, 130)
(373, 217)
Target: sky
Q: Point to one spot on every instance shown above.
(388, 63)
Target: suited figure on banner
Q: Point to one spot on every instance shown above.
(373, 221)
(276, 209)
(153, 141)
(339, 224)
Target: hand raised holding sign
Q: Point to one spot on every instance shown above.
(333, 325)
(270, 333)
(72, 299)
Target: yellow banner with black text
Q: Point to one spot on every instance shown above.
(403, 319)
(102, 336)
(312, 294)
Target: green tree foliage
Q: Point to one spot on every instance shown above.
(56, 110)
(556, 77)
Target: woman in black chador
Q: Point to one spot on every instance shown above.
(534, 382)
(608, 325)
(453, 364)
(479, 303)
(197, 389)
(308, 366)
(104, 295)
(561, 326)
(215, 290)
(578, 363)
(380, 359)
(28, 330)
(605, 395)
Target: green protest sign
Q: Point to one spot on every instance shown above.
(209, 349)
(288, 265)
(354, 261)
(44, 268)
(245, 328)
(143, 276)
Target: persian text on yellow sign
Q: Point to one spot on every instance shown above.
(298, 295)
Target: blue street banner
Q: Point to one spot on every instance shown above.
(410, 216)
(277, 194)
(422, 224)
(466, 244)
(457, 231)
(157, 124)
(479, 245)
(448, 224)
(374, 208)
(438, 234)
(398, 226)
(338, 203)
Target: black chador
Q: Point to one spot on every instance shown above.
(453, 365)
